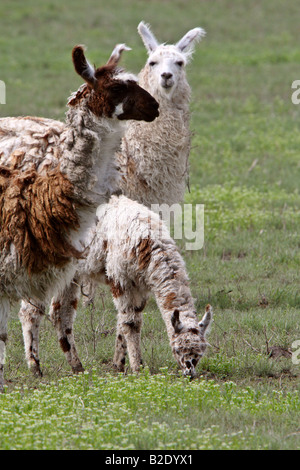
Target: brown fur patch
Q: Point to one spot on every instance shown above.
(131, 167)
(74, 303)
(99, 98)
(130, 163)
(33, 118)
(100, 105)
(169, 303)
(132, 254)
(65, 345)
(16, 158)
(115, 287)
(79, 96)
(56, 306)
(36, 215)
(144, 252)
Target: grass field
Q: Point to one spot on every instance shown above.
(245, 169)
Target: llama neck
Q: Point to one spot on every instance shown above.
(171, 287)
(154, 157)
(88, 160)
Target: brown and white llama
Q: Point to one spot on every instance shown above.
(52, 178)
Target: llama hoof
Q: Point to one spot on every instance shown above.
(136, 369)
(35, 369)
(119, 367)
(78, 369)
(37, 372)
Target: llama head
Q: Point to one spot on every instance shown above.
(189, 344)
(112, 92)
(166, 63)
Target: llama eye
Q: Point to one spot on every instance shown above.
(152, 64)
(179, 63)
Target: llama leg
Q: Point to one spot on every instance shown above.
(30, 317)
(129, 304)
(4, 312)
(88, 290)
(129, 334)
(62, 314)
(120, 347)
(132, 331)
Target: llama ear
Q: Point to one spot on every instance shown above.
(187, 42)
(148, 37)
(176, 323)
(116, 54)
(82, 66)
(206, 321)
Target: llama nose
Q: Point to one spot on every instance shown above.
(166, 75)
(189, 372)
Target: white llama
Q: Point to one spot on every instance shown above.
(52, 178)
(154, 158)
(132, 252)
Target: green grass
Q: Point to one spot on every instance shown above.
(148, 412)
(244, 169)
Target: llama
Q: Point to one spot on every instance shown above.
(53, 176)
(137, 258)
(154, 157)
(147, 150)
(132, 252)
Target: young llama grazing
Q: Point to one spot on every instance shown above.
(154, 153)
(53, 176)
(132, 252)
